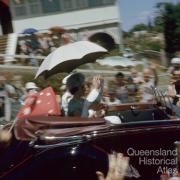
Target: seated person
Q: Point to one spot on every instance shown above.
(136, 78)
(111, 98)
(121, 88)
(148, 83)
(78, 105)
(126, 89)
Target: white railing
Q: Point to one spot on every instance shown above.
(11, 57)
(11, 46)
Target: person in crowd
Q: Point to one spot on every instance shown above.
(66, 38)
(132, 89)
(31, 89)
(172, 95)
(111, 98)
(17, 84)
(174, 72)
(9, 85)
(23, 47)
(136, 78)
(56, 40)
(171, 90)
(176, 100)
(34, 47)
(16, 98)
(121, 88)
(175, 67)
(176, 172)
(118, 166)
(7, 92)
(5, 139)
(148, 83)
(44, 44)
(79, 105)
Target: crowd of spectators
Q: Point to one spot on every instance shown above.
(89, 96)
(39, 44)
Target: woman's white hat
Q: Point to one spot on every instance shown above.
(31, 85)
(175, 60)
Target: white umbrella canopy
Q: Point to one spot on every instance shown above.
(68, 57)
(116, 61)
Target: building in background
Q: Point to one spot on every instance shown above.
(94, 20)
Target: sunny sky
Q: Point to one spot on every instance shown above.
(137, 11)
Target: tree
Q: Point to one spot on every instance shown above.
(169, 16)
(158, 24)
(139, 27)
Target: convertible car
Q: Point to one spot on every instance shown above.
(64, 148)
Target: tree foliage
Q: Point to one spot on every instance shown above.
(139, 27)
(169, 18)
(144, 43)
